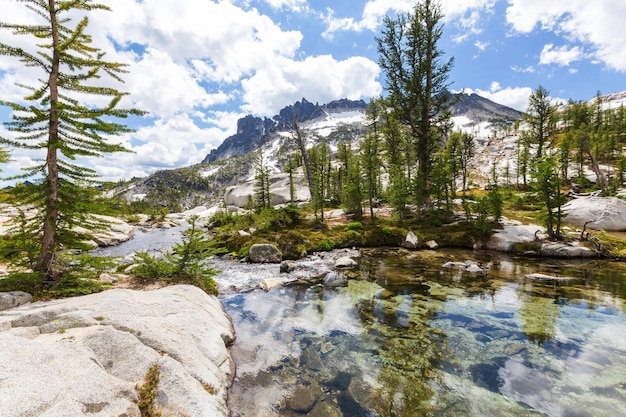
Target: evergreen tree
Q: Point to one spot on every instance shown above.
(548, 185)
(320, 169)
(352, 193)
(262, 198)
(370, 153)
(417, 82)
(54, 121)
(541, 116)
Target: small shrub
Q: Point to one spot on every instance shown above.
(133, 219)
(326, 245)
(355, 226)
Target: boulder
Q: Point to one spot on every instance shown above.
(503, 240)
(608, 213)
(410, 241)
(264, 253)
(431, 244)
(345, 262)
(86, 356)
(271, 283)
(288, 266)
(562, 250)
(13, 299)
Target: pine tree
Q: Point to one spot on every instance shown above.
(53, 120)
(370, 155)
(417, 82)
(548, 186)
(541, 116)
(262, 198)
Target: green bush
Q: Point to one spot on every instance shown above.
(355, 226)
(186, 263)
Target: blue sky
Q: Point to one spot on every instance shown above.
(199, 65)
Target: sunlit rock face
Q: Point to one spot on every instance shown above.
(608, 213)
(87, 355)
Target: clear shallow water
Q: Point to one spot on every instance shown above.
(404, 337)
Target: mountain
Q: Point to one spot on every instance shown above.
(253, 132)
(232, 163)
(480, 109)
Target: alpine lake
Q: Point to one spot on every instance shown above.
(399, 335)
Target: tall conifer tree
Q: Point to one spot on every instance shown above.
(417, 81)
(53, 120)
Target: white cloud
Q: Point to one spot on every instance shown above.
(186, 58)
(481, 46)
(529, 69)
(562, 55)
(466, 14)
(295, 5)
(320, 78)
(598, 24)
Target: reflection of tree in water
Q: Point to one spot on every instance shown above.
(409, 353)
(538, 314)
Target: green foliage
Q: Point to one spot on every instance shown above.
(355, 226)
(548, 186)
(53, 120)
(262, 198)
(326, 245)
(77, 275)
(148, 393)
(186, 263)
(417, 85)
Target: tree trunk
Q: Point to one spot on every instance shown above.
(51, 213)
(601, 178)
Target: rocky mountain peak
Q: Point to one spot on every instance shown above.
(253, 131)
(481, 109)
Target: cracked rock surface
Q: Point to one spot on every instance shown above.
(88, 355)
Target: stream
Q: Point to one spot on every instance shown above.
(399, 335)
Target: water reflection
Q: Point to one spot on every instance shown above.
(406, 338)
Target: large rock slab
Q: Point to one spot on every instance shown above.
(115, 232)
(241, 195)
(86, 355)
(504, 240)
(608, 213)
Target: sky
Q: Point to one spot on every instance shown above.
(197, 66)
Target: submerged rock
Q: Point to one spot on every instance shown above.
(467, 266)
(544, 277)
